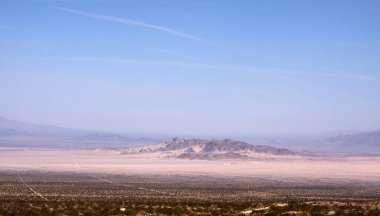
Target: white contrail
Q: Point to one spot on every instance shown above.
(174, 53)
(134, 23)
(231, 68)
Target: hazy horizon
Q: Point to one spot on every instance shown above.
(189, 107)
(226, 135)
(192, 67)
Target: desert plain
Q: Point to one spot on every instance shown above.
(93, 181)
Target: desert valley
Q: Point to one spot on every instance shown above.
(189, 108)
(237, 177)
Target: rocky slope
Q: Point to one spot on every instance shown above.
(209, 149)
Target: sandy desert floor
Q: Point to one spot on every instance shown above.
(100, 182)
(101, 161)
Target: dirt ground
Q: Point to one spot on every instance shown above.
(103, 182)
(102, 161)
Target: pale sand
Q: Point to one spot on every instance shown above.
(350, 168)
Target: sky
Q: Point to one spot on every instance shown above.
(192, 67)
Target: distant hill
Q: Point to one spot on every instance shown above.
(11, 127)
(342, 142)
(13, 133)
(209, 149)
(22, 134)
(360, 143)
(103, 137)
(112, 137)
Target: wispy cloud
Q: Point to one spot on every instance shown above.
(174, 53)
(135, 23)
(221, 67)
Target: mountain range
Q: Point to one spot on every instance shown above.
(361, 143)
(12, 127)
(21, 134)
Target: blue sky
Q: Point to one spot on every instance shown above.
(192, 67)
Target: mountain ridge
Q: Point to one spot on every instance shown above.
(21, 134)
(209, 149)
(15, 133)
(365, 142)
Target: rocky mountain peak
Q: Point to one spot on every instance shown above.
(210, 149)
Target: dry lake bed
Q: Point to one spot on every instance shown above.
(100, 182)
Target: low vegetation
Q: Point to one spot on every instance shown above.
(97, 194)
(122, 207)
